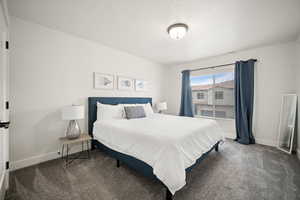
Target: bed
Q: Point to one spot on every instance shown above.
(162, 147)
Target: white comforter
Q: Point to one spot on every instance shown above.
(169, 144)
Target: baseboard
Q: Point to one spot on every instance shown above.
(3, 187)
(33, 160)
(229, 136)
(266, 142)
(298, 153)
(15, 165)
(2, 193)
(54, 155)
(258, 141)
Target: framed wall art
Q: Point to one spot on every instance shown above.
(141, 85)
(125, 83)
(103, 81)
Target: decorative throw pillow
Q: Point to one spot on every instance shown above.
(133, 112)
(123, 106)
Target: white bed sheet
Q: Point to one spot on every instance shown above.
(169, 144)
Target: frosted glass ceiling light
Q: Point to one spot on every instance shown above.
(177, 31)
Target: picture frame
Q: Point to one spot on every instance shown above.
(103, 81)
(125, 83)
(141, 85)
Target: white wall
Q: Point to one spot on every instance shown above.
(275, 75)
(298, 92)
(52, 69)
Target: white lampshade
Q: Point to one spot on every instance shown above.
(162, 106)
(72, 112)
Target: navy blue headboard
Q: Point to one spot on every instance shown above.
(92, 105)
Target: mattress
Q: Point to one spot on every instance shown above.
(169, 144)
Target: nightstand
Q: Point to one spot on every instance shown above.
(84, 139)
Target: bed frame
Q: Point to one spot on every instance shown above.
(130, 161)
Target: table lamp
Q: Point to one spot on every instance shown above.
(161, 106)
(73, 113)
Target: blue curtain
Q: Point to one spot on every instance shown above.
(186, 107)
(244, 93)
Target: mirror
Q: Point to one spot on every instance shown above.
(287, 122)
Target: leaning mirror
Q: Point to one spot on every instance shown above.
(287, 122)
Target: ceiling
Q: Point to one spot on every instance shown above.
(139, 26)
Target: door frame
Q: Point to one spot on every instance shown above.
(4, 133)
(3, 5)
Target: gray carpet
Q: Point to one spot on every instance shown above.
(236, 172)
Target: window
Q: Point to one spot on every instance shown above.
(200, 95)
(219, 95)
(213, 92)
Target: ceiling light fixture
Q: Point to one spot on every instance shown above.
(177, 31)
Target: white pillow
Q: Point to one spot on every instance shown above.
(108, 112)
(148, 109)
(127, 105)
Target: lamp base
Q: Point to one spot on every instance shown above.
(73, 130)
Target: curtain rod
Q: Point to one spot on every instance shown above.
(201, 68)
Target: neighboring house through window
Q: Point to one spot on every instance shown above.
(207, 113)
(200, 95)
(220, 114)
(213, 92)
(219, 95)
